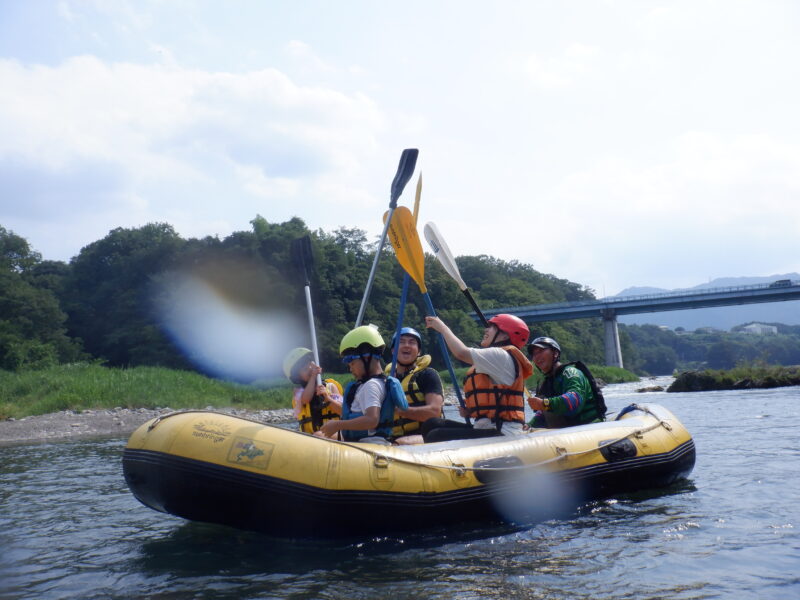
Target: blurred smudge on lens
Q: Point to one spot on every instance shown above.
(230, 319)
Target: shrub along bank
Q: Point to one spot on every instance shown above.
(739, 378)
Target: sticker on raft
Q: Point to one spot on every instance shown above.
(250, 453)
(211, 430)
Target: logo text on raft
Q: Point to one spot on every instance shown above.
(211, 430)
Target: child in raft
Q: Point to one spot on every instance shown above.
(370, 400)
(313, 404)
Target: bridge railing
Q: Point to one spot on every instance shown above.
(672, 294)
(719, 290)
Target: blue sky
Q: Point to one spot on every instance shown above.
(614, 144)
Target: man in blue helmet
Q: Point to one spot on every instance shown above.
(422, 386)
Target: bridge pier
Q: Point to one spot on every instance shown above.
(613, 351)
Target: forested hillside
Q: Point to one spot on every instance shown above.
(658, 351)
(101, 304)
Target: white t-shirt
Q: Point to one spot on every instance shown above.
(369, 394)
(496, 363)
(499, 365)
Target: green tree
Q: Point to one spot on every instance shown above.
(722, 355)
(32, 332)
(107, 295)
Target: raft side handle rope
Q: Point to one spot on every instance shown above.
(562, 453)
(382, 461)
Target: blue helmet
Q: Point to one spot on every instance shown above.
(408, 331)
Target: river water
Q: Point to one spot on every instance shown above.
(69, 528)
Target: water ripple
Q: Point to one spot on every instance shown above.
(69, 528)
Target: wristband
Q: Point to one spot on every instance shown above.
(546, 404)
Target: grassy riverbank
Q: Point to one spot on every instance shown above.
(89, 386)
(739, 378)
(85, 386)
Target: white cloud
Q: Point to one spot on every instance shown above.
(641, 147)
(110, 132)
(715, 200)
(553, 72)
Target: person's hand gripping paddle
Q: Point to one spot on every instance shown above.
(442, 252)
(405, 241)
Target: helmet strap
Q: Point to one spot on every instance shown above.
(495, 344)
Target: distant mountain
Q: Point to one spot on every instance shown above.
(641, 291)
(724, 317)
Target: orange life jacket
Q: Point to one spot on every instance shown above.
(485, 398)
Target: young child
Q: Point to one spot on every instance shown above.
(368, 407)
(313, 404)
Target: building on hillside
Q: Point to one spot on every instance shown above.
(760, 329)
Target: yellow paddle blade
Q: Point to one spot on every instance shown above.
(405, 241)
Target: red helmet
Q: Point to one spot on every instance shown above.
(514, 327)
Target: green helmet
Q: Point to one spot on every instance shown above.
(362, 340)
(292, 362)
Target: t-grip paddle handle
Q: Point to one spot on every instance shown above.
(408, 162)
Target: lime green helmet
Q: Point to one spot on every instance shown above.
(362, 340)
(293, 361)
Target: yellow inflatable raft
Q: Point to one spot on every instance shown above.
(207, 466)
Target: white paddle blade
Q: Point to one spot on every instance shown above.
(442, 253)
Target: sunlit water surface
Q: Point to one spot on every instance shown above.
(69, 528)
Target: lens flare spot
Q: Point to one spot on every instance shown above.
(223, 337)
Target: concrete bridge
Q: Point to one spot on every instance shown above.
(608, 308)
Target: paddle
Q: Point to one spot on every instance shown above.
(406, 281)
(407, 247)
(442, 252)
(408, 160)
(304, 259)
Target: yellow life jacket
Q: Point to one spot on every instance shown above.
(485, 398)
(314, 414)
(402, 426)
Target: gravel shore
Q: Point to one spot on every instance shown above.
(120, 422)
(98, 423)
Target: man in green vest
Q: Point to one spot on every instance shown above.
(568, 395)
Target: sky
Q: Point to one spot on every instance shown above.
(610, 143)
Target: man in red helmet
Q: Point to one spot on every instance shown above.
(494, 386)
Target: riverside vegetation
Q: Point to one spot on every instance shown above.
(60, 321)
(85, 386)
(742, 377)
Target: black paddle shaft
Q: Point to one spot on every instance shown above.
(474, 304)
(303, 256)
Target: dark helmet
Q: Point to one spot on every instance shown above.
(407, 331)
(544, 342)
(514, 327)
